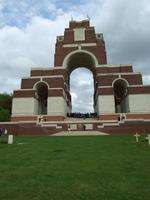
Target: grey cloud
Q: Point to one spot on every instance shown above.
(126, 30)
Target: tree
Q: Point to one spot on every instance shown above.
(5, 107)
(4, 115)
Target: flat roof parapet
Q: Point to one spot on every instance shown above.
(79, 24)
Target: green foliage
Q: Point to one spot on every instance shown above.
(6, 101)
(75, 168)
(4, 115)
(5, 107)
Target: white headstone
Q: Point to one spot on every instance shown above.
(5, 132)
(10, 139)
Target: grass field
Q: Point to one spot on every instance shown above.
(72, 168)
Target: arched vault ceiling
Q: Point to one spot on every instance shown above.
(80, 60)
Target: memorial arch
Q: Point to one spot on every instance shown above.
(117, 88)
(80, 59)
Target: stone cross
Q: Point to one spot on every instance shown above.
(137, 137)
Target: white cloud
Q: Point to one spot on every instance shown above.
(21, 49)
(31, 46)
(82, 89)
(73, 95)
(146, 79)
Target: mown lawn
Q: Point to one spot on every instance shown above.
(72, 168)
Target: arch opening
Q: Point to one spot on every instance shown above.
(121, 96)
(82, 90)
(41, 97)
(83, 65)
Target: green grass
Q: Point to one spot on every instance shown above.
(72, 168)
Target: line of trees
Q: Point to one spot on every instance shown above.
(5, 107)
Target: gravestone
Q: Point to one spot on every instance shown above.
(10, 139)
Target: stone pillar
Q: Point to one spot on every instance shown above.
(57, 106)
(23, 106)
(139, 103)
(105, 104)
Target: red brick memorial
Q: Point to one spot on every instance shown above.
(43, 102)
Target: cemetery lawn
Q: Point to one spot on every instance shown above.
(73, 168)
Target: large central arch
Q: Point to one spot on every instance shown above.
(80, 59)
(82, 91)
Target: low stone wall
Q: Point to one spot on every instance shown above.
(49, 128)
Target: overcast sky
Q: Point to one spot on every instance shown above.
(28, 30)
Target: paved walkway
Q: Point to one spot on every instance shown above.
(79, 133)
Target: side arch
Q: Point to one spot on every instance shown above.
(121, 97)
(117, 79)
(41, 97)
(40, 82)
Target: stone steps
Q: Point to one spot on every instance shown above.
(79, 133)
(101, 127)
